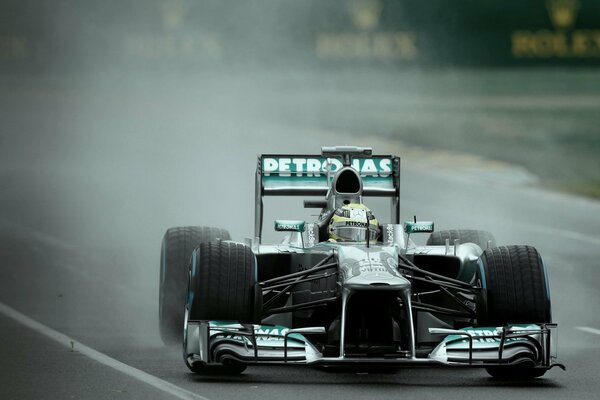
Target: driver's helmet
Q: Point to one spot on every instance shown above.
(349, 224)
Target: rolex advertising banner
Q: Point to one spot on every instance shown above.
(463, 32)
(573, 34)
(74, 34)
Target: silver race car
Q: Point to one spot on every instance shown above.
(348, 290)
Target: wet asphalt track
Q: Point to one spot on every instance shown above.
(85, 203)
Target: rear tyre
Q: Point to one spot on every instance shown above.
(480, 238)
(223, 283)
(177, 247)
(515, 291)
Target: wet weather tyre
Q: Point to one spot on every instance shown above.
(515, 284)
(480, 238)
(223, 283)
(177, 247)
(515, 290)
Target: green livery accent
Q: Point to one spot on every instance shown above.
(289, 225)
(318, 167)
(487, 336)
(265, 334)
(305, 173)
(418, 227)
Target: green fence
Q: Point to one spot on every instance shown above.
(65, 34)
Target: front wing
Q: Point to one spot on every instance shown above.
(219, 342)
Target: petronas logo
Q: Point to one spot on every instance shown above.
(563, 13)
(365, 14)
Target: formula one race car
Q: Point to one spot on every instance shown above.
(346, 290)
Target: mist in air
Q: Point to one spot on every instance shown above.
(120, 119)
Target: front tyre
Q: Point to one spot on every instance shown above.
(514, 280)
(223, 283)
(222, 287)
(515, 290)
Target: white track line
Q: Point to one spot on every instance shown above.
(588, 329)
(66, 341)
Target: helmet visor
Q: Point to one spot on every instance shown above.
(344, 232)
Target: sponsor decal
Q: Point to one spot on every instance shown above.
(366, 40)
(390, 233)
(563, 13)
(265, 333)
(295, 226)
(356, 223)
(364, 265)
(417, 227)
(563, 41)
(358, 213)
(173, 46)
(365, 14)
(383, 263)
(316, 167)
(311, 235)
(271, 331)
(174, 41)
(396, 45)
(489, 335)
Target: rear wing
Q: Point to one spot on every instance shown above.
(311, 175)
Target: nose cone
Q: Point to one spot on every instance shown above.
(371, 268)
(377, 280)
